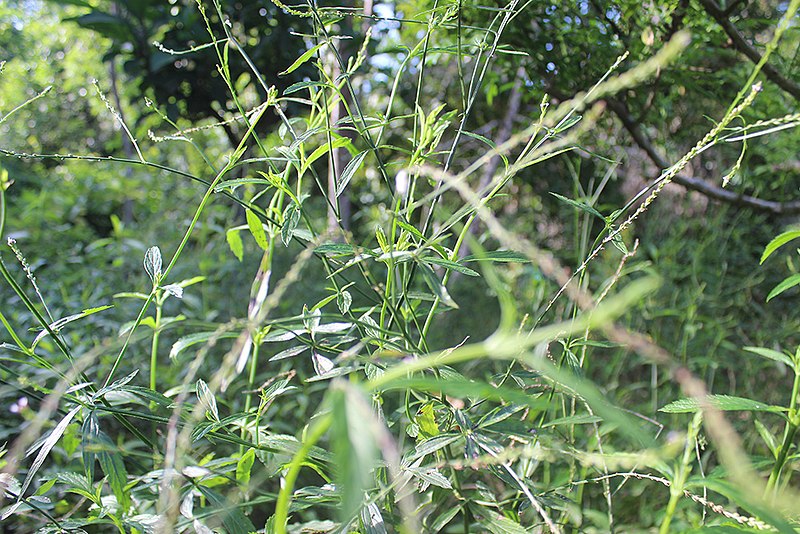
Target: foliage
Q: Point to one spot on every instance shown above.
(435, 368)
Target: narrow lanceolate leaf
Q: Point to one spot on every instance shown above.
(451, 265)
(436, 286)
(193, 339)
(291, 218)
(772, 355)
(235, 243)
(354, 437)
(56, 326)
(372, 519)
(721, 402)
(152, 263)
(783, 286)
(348, 172)
(778, 242)
(47, 446)
(256, 229)
(114, 468)
(302, 59)
(321, 151)
(579, 205)
(498, 256)
(496, 523)
(205, 396)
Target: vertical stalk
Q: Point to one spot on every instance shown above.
(788, 435)
(154, 344)
(684, 469)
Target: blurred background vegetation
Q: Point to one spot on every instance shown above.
(84, 226)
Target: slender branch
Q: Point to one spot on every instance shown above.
(696, 184)
(741, 44)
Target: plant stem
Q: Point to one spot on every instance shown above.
(678, 483)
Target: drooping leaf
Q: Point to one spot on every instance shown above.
(778, 242)
(372, 519)
(436, 286)
(244, 466)
(256, 229)
(579, 205)
(47, 446)
(788, 283)
(56, 326)
(348, 172)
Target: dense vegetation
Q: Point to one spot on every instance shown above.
(424, 266)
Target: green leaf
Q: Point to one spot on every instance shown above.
(426, 420)
(772, 355)
(206, 397)
(152, 264)
(778, 242)
(721, 402)
(193, 339)
(235, 243)
(56, 326)
(436, 285)
(348, 172)
(354, 433)
(499, 524)
(321, 150)
(343, 301)
(233, 519)
(291, 218)
(299, 86)
(47, 446)
(335, 249)
(783, 286)
(768, 437)
(451, 265)
(372, 519)
(114, 468)
(488, 142)
(302, 59)
(244, 466)
(498, 256)
(573, 420)
(256, 229)
(579, 205)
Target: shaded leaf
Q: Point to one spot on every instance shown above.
(772, 355)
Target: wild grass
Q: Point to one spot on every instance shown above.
(342, 413)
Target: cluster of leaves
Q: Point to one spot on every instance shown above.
(325, 400)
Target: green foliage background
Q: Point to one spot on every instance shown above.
(420, 387)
